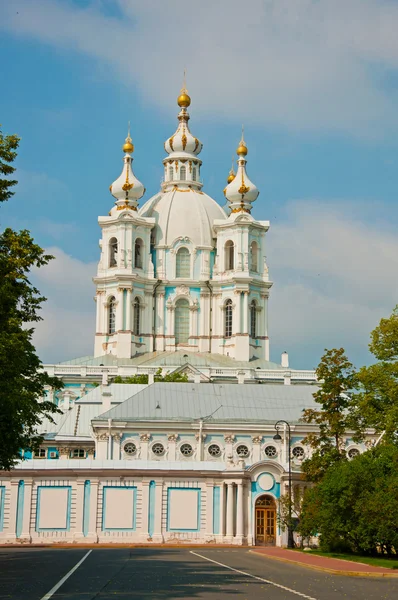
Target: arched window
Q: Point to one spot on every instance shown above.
(138, 251)
(254, 256)
(253, 319)
(113, 252)
(112, 315)
(183, 263)
(170, 173)
(194, 174)
(182, 321)
(229, 255)
(183, 173)
(228, 319)
(136, 317)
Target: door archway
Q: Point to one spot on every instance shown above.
(265, 521)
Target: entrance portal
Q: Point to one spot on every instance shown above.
(265, 521)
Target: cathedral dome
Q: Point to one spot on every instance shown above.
(183, 213)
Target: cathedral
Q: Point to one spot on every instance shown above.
(182, 285)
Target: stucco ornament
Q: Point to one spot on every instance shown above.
(266, 482)
(145, 437)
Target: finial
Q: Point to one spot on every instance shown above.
(231, 175)
(183, 99)
(242, 148)
(128, 147)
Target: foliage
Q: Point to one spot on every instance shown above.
(284, 505)
(377, 400)
(355, 506)
(338, 378)
(174, 377)
(22, 380)
(8, 153)
(375, 561)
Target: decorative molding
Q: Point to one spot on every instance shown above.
(257, 439)
(172, 437)
(229, 438)
(145, 437)
(182, 290)
(197, 436)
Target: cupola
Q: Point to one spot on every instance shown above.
(127, 189)
(240, 191)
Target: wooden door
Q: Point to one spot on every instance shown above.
(265, 526)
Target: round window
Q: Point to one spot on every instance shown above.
(186, 449)
(158, 449)
(270, 451)
(353, 453)
(298, 452)
(130, 448)
(214, 450)
(242, 451)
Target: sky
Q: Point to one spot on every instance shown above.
(315, 83)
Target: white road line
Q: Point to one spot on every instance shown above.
(282, 587)
(61, 581)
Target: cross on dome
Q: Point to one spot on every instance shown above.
(127, 189)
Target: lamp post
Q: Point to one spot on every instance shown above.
(277, 437)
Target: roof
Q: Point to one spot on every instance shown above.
(214, 403)
(174, 359)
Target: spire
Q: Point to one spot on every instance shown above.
(184, 99)
(127, 189)
(231, 174)
(240, 191)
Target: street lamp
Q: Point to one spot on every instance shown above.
(277, 437)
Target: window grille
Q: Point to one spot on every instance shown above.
(253, 319)
(183, 173)
(138, 251)
(40, 453)
(254, 257)
(78, 453)
(112, 316)
(298, 452)
(158, 449)
(194, 174)
(130, 448)
(242, 451)
(136, 317)
(228, 319)
(270, 451)
(186, 449)
(214, 450)
(183, 263)
(229, 255)
(182, 321)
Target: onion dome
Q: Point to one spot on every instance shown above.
(240, 191)
(127, 189)
(183, 142)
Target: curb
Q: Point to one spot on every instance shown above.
(118, 545)
(326, 569)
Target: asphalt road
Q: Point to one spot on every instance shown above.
(161, 573)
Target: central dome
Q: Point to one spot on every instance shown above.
(183, 213)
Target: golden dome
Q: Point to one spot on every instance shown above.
(231, 177)
(128, 146)
(183, 99)
(242, 149)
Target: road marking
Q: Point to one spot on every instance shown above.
(282, 587)
(61, 581)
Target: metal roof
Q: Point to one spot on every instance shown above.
(215, 403)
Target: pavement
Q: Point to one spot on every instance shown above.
(172, 573)
(324, 563)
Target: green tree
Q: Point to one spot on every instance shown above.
(22, 379)
(337, 379)
(174, 377)
(377, 399)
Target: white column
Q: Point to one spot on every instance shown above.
(236, 317)
(160, 329)
(144, 442)
(249, 531)
(27, 506)
(92, 528)
(116, 445)
(78, 533)
(157, 532)
(239, 513)
(119, 309)
(209, 510)
(129, 325)
(144, 534)
(12, 519)
(256, 439)
(230, 511)
(99, 308)
(245, 298)
(222, 510)
(172, 442)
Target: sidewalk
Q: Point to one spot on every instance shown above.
(323, 563)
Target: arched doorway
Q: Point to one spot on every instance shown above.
(265, 521)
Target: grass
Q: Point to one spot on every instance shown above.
(375, 561)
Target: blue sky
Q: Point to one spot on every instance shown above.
(315, 84)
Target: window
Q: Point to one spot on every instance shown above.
(183, 263)
(113, 252)
(186, 449)
(254, 256)
(158, 449)
(112, 315)
(171, 173)
(228, 319)
(298, 452)
(194, 174)
(78, 453)
(229, 255)
(270, 451)
(130, 449)
(353, 452)
(214, 450)
(182, 321)
(253, 319)
(40, 453)
(138, 251)
(183, 173)
(136, 317)
(242, 451)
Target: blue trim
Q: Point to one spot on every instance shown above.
(86, 507)
(118, 487)
(197, 490)
(68, 507)
(20, 503)
(2, 498)
(216, 509)
(151, 508)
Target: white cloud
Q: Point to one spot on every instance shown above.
(299, 64)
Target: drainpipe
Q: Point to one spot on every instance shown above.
(200, 438)
(109, 439)
(210, 312)
(159, 281)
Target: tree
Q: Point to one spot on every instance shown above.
(174, 377)
(377, 399)
(22, 380)
(337, 379)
